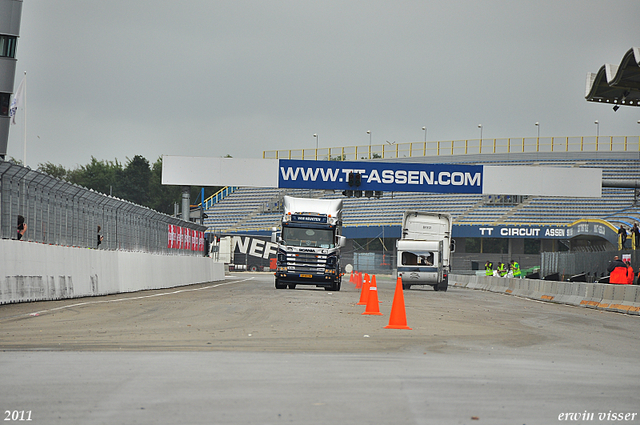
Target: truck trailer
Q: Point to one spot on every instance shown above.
(309, 244)
(424, 250)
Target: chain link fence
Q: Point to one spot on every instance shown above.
(382, 262)
(60, 213)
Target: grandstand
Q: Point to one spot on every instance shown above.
(257, 210)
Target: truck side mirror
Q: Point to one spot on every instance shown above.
(453, 245)
(342, 241)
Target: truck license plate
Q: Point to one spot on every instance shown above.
(306, 275)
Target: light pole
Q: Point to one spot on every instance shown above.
(480, 127)
(369, 133)
(317, 138)
(597, 128)
(425, 133)
(538, 125)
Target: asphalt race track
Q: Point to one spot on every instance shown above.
(242, 352)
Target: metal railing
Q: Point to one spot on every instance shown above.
(464, 147)
(218, 196)
(60, 213)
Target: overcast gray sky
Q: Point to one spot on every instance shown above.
(117, 78)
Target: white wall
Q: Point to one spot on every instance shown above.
(32, 271)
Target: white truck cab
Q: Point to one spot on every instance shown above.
(424, 251)
(309, 244)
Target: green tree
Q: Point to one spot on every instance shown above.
(100, 176)
(133, 181)
(137, 182)
(162, 197)
(53, 170)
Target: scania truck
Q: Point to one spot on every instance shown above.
(424, 250)
(309, 243)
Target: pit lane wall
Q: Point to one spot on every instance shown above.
(37, 272)
(601, 296)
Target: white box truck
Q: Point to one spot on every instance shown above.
(424, 251)
(309, 244)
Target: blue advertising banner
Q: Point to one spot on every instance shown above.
(590, 228)
(510, 231)
(381, 176)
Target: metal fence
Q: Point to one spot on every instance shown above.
(594, 264)
(383, 262)
(60, 213)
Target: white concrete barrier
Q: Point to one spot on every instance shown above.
(33, 271)
(618, 298)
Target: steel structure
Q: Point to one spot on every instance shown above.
(10, 14)
(616, 84)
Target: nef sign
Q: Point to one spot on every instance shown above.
(381, 176)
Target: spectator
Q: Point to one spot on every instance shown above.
(623, 236)
(100, 237)
(22, 227)
(630, 274)
(635, 234)
(617, 271)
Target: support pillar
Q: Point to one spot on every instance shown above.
(186, 202)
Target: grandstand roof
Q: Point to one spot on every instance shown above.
(617, 84)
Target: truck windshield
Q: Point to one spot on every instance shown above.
(318, 238)
(417, 258)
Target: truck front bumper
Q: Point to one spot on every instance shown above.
(307, 278)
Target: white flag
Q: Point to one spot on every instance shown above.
(17, 100)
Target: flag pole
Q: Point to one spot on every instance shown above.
(24, 132)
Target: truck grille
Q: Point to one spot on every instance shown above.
(306, 262)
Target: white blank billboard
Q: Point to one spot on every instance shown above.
(543, 181)
(203, 171)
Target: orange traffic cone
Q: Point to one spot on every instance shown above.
(372, 301)
(351, 277)
(398, 316)
(364, 294)
(358, 280)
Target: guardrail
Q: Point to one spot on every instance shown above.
(60, 213)
(464, 147)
